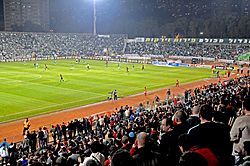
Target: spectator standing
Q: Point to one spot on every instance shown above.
(53, 133)
(4, 143)
(4, 154)
(26, 125)
(168, 94)
(194, 119)
(214, 136)
(166, 147)
(64, 131)
(144, 154)
(33, 141)
(40, 137)
(240, 131)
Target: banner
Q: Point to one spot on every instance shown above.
(195, 40)
(224, 67)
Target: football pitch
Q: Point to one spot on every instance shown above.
(27, 90)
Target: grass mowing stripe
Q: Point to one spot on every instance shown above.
(50, 106)
(63, 88)
(80, 86)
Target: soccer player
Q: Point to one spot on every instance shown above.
(88, 67)
(218, 74)
(142, 67)
(127, 69)
(177, 83)
(119, 67)
(213, 70)
(61, 78)
(145, 91)
(115, 94)
(45, 67)
(36, 65)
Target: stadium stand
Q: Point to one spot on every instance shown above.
(218, 51)
(27, 45)
(148, 134)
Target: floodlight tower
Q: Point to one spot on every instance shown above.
(94, 17)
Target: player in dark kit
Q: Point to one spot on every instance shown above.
(142, 67)
(88, 67)
(127, 69)
(115, 94)
(61, 78)
(218, 74)
(45, 67)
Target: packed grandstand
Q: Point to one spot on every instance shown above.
(27, 45)
(207, 126)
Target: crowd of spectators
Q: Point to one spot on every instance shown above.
(26, 45)
(218, 51)
(208, 126)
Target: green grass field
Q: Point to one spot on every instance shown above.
(26, 90)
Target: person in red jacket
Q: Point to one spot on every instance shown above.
(185, 144)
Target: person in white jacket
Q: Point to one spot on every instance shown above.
(4, 154)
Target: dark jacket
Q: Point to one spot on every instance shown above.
(146, 157)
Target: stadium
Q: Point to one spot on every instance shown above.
(76, 98)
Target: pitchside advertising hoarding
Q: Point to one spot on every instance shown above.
(192, 40)
(171, 63)
(224, 67)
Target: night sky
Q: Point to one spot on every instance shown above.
(216, 18)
